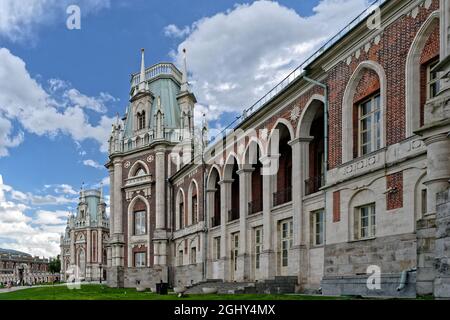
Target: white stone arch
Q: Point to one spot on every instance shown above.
(347, 106)
(180, 216)
(214, 168)
(228, 167)
(248, 158)
(307, 116)
(361, 197)
(412, 89)
(284, 122)
(193, 185)
(130, 215)
(135, 167)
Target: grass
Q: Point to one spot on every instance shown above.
(101, 292)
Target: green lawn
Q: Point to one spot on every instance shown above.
(99, 292)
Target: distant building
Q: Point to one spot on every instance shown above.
(19, 267)
(83, 252)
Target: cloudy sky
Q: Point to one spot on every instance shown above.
(60, 89)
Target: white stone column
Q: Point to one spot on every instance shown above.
(300, 160)
(72, 247)
(111, 199)
(118, 214)
(268, 256)
(445, 28)
(225, 200)
(160, 188)
(438, 168)
(244, 263)
(160, 234)
(117, 236)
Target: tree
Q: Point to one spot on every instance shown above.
(55, 265)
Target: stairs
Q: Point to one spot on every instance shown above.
(278, 285)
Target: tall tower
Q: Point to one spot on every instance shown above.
(83, 245)
(140, 146)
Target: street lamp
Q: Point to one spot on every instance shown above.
(101, 273)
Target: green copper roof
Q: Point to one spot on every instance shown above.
(167, 89)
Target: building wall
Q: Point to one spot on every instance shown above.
(391, 178)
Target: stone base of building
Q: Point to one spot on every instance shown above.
(186, 275)
(145, 277)
(115, 277)
(357, 286)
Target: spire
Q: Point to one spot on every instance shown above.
(142, 79)
(101, 192)
(184, 81)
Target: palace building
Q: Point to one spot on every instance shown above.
(341, 170)
(19, 267)
(83, 245)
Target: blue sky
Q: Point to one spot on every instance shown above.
(60, 89)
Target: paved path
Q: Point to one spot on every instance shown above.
(5, 290)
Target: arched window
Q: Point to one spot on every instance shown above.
(363, 111)
(213, 200)
(180, 210)
(283, 178)
(193, 203)
(311, 128)
(421, 82)
(253, 156)
(140, 172)
(231, 169)
(141, 120)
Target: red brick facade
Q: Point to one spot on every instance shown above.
(394, 186)
(336, 206)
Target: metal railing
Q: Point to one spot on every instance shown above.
(255, 206)
(297, 72)
(215, 222)
(313, 184)
(233, 214)
(164, 68)
(282, 196)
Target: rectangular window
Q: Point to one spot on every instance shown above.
(366, 220)
(286, 228)
(140, 224)
(318, 227)
(193, 255)
(180, 257)
(139, 259)
(258, 246)
(217, 248)
(432, 80)
(370, 125)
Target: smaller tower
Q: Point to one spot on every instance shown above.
(187, 101)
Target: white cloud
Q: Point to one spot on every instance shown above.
(46, 113)
(65, 189)
(52, 218)
(93, 164)
(173, 31)
(19, 20)
(38, 236)
(237, 56)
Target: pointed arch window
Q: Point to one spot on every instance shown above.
(141, 120)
